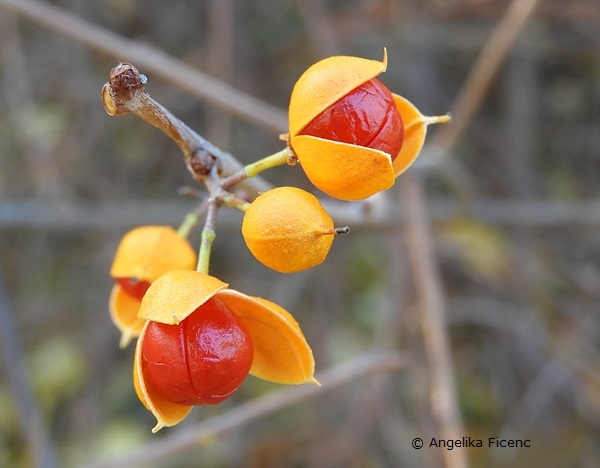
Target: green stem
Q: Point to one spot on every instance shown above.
(285, 156)
(278, 159)
(189, 222)
(233, 201)
(208, 237)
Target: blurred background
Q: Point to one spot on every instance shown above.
(512, 203)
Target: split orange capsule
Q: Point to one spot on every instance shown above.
(143, 255)
(201, 339)
(349, 132)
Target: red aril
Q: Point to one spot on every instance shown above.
(201, 360)
(367, 117)
(133, 287)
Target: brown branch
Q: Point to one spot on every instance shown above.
(152, 60)
(207, 431)
(124, 93)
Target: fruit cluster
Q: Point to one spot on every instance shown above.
(198, 339)
(352, 137)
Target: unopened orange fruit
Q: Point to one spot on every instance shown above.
(288, 230)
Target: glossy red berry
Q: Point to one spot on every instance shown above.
(201, 360)
(367, 116)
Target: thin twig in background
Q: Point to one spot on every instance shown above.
(22, 108)
(33, 426)
(483, 73)
(220, 63)
(443, 395)
(331, 379)
(533, 214)
(152, 60)
(444, 398)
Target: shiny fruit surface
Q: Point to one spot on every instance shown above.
(201, 360)
(367, 116)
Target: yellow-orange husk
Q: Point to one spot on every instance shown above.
(176, 294)
(281, 353)
(166, 412)
(288, 230)
(123, 310)
(147, 252)
(415, 131)
(170, 299)
(343, 170)
(326, 82)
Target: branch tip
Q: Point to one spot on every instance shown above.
(125, 80)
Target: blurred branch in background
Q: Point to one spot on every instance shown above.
(236, 418)
(38, 151)
(33, 426)
(471, 95)
(442, 387)
(533, 214)
(443, 390)
(220, 62)
(483, 72)
(152, 60)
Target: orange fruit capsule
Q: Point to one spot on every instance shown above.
(348, 130)
(288, 230)
(210, 338)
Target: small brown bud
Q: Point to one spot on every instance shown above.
(125, 80)
(201, 162)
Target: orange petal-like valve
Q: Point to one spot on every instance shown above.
(281, 353)
(166, 412)
(415, 131)
(325, 82)
(147, 252)
(176, 294)
(123, 312)
(342, 170)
